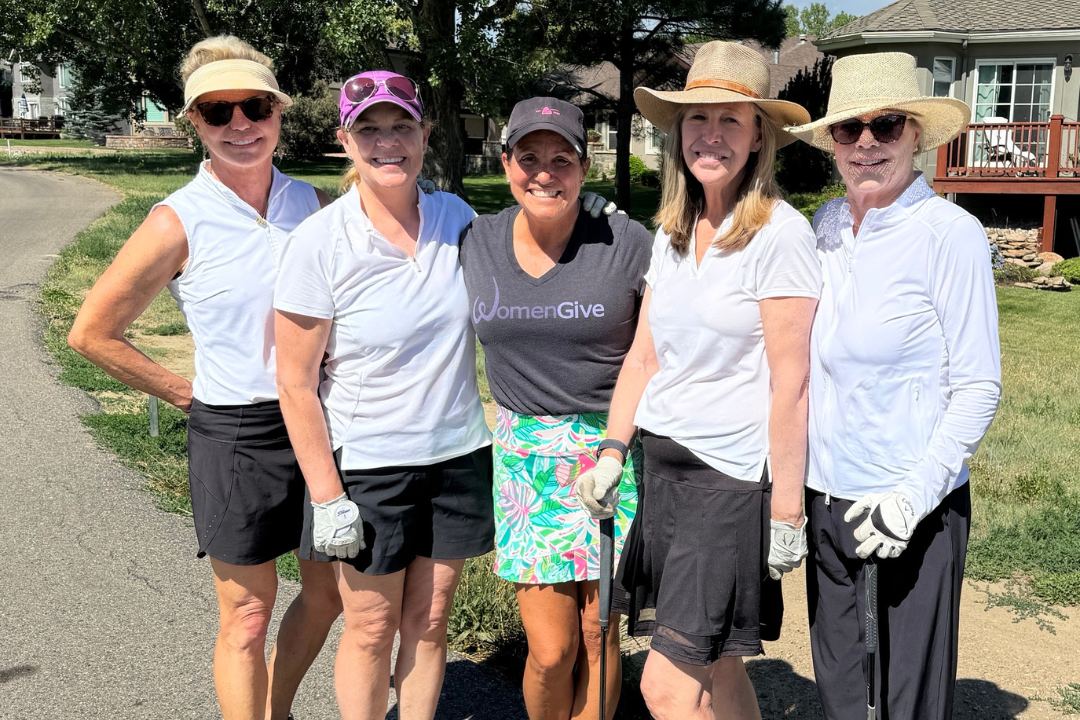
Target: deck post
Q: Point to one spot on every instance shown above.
(1049, 219)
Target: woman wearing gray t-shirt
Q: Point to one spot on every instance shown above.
(555, 295)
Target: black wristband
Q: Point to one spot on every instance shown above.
(613, 444)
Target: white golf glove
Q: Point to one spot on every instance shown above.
(595, 205)
(426, 186)
(598, 489)
(890, 521)
(787, 547)
(337, 529)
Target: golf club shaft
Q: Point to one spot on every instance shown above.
(871, 638)
(607, 561)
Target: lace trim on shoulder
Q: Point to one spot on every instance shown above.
(833, 217)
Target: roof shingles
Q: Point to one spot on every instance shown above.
(966, 16)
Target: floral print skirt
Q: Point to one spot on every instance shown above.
(542, 535)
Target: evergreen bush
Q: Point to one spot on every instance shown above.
(802, 168)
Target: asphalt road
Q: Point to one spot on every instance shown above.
(104, 609)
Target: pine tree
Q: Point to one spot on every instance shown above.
(89, 117)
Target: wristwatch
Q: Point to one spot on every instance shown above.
(613, 444)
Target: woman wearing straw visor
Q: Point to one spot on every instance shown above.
(216, 244)
(392, 442)
(555, 296)
(716, 382)
(905, 380)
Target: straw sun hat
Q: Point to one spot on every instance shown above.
(723, 72)
(869, 83)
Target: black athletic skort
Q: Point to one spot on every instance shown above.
(247, 491)
(442, 511)
(691, 572)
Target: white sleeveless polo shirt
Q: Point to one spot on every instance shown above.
(226, 291)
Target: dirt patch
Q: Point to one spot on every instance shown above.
(1006, 669)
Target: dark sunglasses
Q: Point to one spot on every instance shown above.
(218, 112)
(885, 129)
(361, 88)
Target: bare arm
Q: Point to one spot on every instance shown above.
(786, 325)
(639, 365)
(301, 342)
(150, 258)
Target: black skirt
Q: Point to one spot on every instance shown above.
(247, 491)
(691, 572)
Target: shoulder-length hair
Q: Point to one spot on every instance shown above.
(683, 197)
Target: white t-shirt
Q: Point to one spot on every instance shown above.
(905, 366)
(226, 291)
(711, 393)
(400, 383)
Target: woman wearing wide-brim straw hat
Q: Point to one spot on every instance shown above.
(716, 382)
(905, 380)
(215, 243)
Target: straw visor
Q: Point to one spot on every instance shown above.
(874, 82)
(723, 72)
(232, 75)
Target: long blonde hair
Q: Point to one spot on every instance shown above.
(683, 197)
(220, 47)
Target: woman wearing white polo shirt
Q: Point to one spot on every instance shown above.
(373, 284)
(716, 381)
(905, 380)
(216, 243)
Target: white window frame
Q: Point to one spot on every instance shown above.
(952, 75)
(650, 134)
(1013, 61)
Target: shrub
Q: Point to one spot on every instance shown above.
(801, 167)
(307, 127)
(184, 127)
(1011, 273)
(1069, 269)
(637, 168)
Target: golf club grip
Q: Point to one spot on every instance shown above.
(871, 607)
(607, 559)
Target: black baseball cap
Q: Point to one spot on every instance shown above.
(547, 113)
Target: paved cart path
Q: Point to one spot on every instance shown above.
(104, 610)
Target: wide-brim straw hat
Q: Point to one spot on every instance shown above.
(723, 72)
(233, 74)
(874, 82)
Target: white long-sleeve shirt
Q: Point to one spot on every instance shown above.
(905, 372)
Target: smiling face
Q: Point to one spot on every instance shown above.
(545, 174)
(717, 139)
(876, 173)
(386, 145)
(241, 142)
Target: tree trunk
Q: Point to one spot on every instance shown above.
(445, 159)
(625, 118)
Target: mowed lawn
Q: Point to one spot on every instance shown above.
(1025, 477)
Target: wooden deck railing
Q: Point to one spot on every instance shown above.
(1047, 150)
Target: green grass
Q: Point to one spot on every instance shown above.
(53, 143)
(1025, 478)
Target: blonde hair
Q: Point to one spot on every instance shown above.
(683, 197)
(220, 47)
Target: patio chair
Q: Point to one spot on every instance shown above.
(1001, 147)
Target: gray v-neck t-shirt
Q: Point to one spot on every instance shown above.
(554, 344)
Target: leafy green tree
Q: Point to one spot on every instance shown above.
(642, 39)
